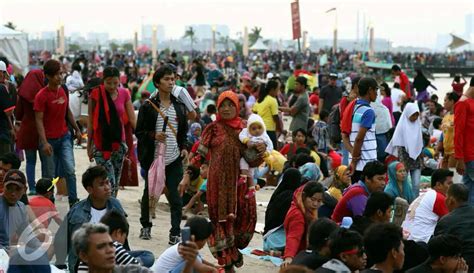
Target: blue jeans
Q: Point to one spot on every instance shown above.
(63, 154)
(381, 145)
(146, 258)
(468, 180)
(30, 168)
(415, 181)
(345, 155)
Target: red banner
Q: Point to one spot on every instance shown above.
(295, 18)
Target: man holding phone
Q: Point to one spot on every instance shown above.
(162, 120)
(178, 258)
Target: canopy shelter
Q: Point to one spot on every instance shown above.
(457, 42)
(14, 46)
(259, 45)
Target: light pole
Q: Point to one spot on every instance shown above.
(213, 46)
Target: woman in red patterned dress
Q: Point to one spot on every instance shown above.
(232, 216)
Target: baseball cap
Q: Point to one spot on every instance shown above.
(14, 177)
(3, 67)
(333, 75)
(44, 185)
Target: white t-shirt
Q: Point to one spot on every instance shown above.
(396, 97)
(423, 215)
(169, 260)
(96, 215)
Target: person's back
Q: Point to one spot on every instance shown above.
(423, 214)
(352, 202)
(459, 221)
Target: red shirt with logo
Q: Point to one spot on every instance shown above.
(404, 81)
(53, 104)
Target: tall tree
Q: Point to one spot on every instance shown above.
(191, 34)
(254, 35)
(127, 47)
(10, 25)
(224, 40)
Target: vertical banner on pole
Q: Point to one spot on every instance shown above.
(295, 18)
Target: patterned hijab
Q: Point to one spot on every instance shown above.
(235, 122)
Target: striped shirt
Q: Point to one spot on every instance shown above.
(121, 258)
(172, 150)
(364, 116)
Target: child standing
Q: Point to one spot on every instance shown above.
(254, 133)
(320, 132)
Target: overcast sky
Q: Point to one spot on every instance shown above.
(405, 22)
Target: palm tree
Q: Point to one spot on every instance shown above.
(190, 33)
(255, 35)
(224, 40)
(10, 25)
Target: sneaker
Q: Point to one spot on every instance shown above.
(145, 233)
(174, 240)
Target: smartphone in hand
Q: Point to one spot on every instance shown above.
(185, 235)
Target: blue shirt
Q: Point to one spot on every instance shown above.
(368, 118)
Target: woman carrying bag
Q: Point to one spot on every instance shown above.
(108, 104)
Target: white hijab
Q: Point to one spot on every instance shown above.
(407, 134)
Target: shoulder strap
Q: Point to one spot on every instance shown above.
(163, 117)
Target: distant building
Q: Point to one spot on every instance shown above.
(204, 32)
(48, 35)
(98, 38)
(147, 34)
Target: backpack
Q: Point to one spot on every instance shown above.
(334, 125)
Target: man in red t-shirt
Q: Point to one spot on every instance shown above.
(51, 110)
(314, 99)
(463, 145)
(458, 86)
(404, 81)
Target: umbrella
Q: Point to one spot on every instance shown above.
(143, 49)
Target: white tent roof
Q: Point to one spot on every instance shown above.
(259, 45)
(14, 46)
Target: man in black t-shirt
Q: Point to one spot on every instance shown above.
(445, 256)
(330, 94)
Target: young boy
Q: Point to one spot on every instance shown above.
(41, 205)
(172, 261)
(320, 132)
(118, 230)
(199, 197)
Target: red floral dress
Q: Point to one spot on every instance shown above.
(225, 197)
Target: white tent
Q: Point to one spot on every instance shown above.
(14, 46)
(259, 45)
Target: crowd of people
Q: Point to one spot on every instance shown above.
(364, 169)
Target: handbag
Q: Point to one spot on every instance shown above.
(156, 173)
(252, 157)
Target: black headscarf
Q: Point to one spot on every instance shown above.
(280, 201)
